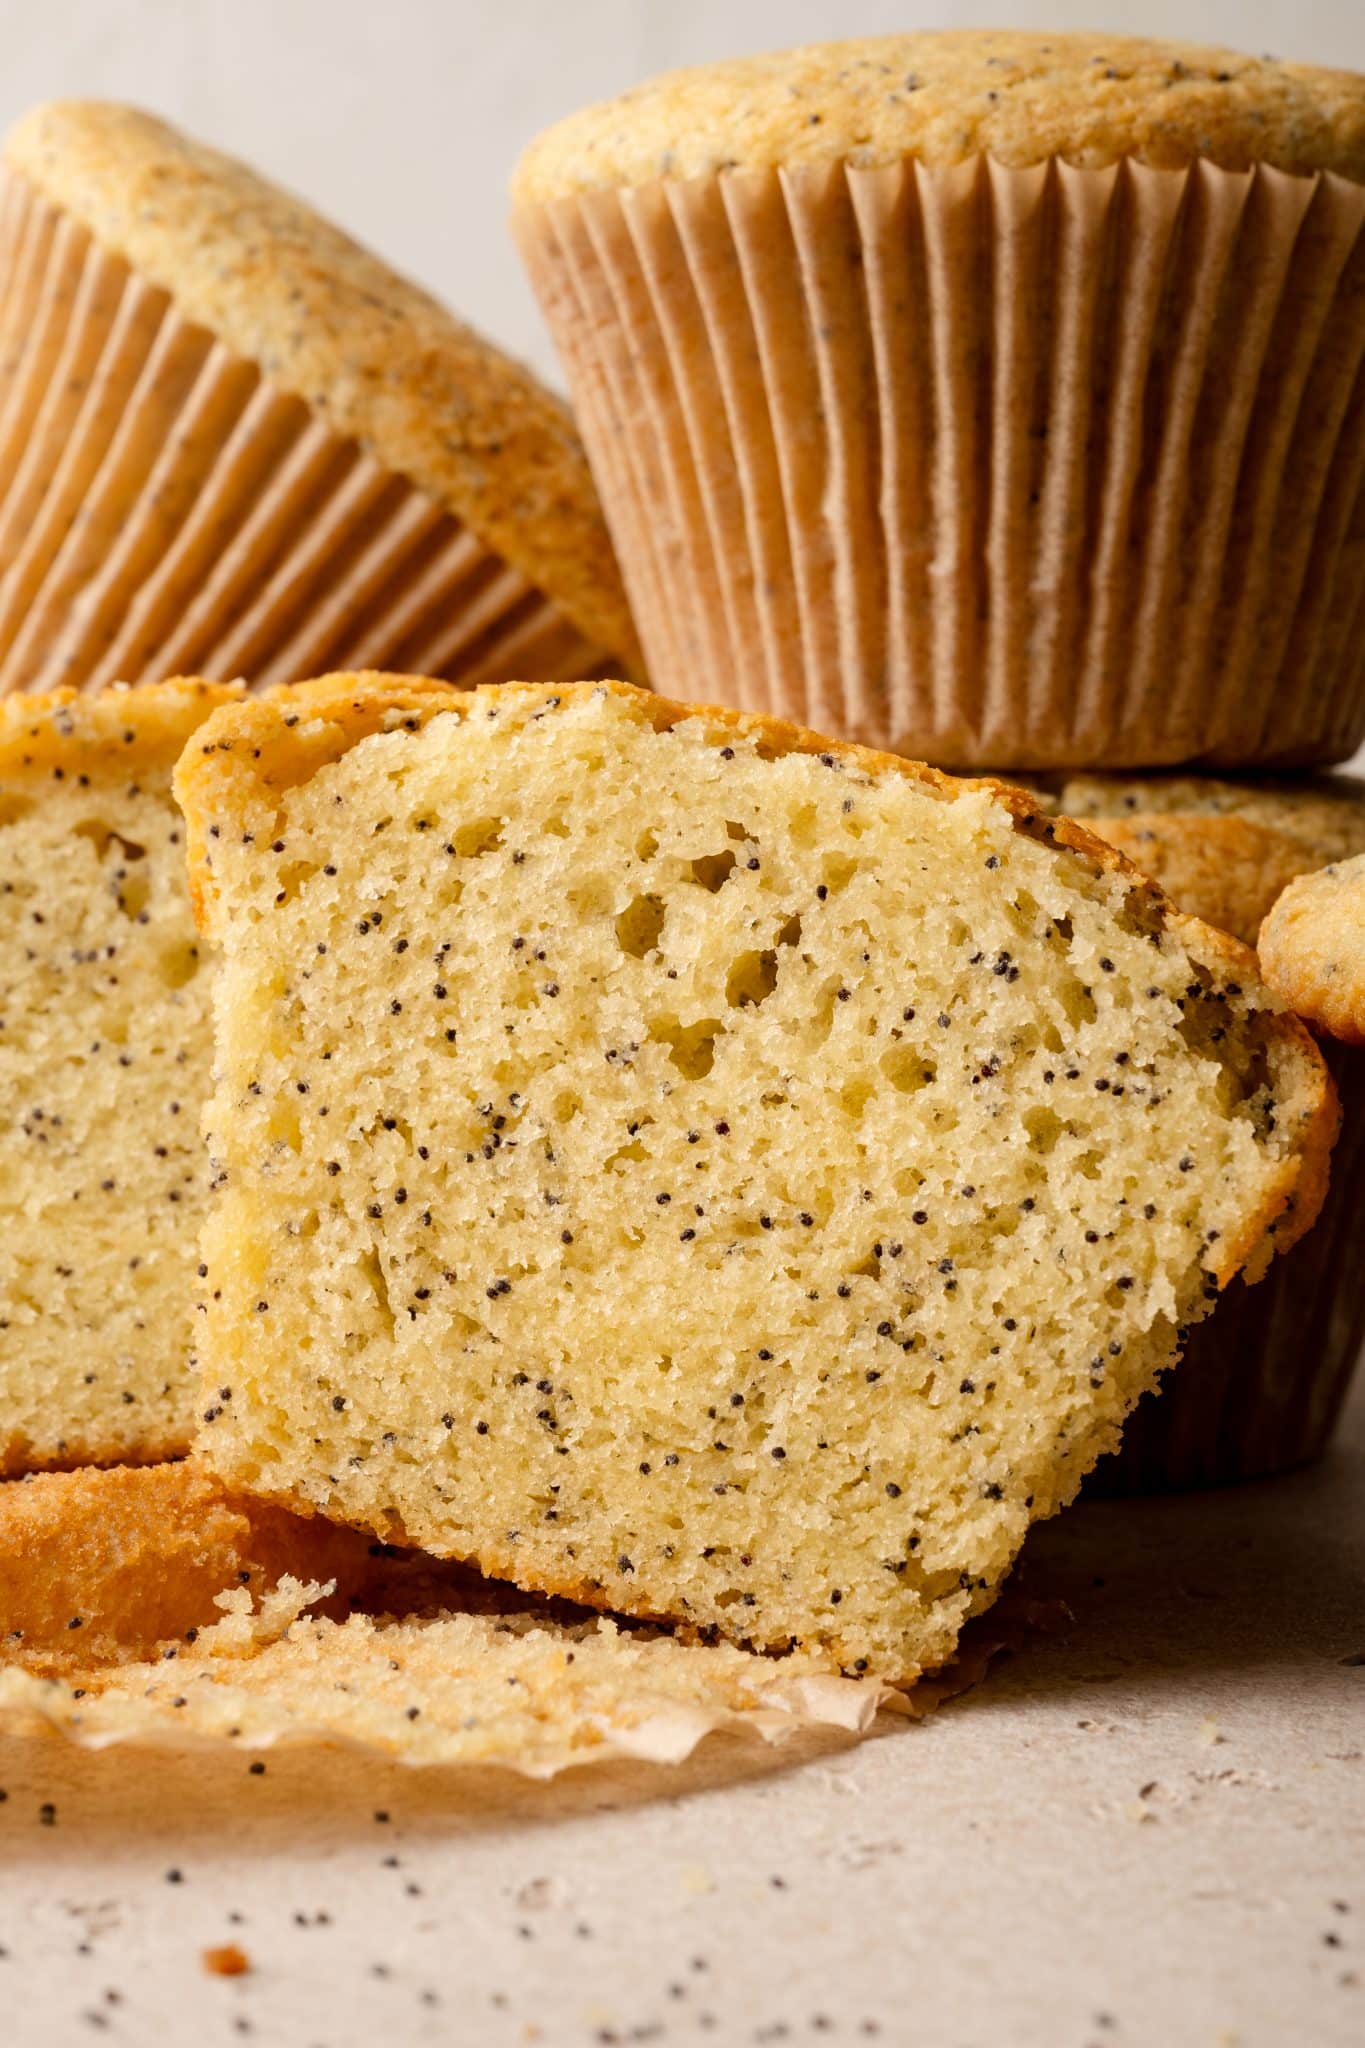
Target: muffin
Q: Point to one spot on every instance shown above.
(108, 1567)
(1222, 850)
(105, 1049)
(1313, 943)
(989, 397)
(1263, 1381)
(234, 443)
(684, 1164)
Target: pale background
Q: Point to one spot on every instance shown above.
(403, 118)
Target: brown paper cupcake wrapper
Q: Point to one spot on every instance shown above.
(1262, 1382)
(164, 510)
(1041, 467)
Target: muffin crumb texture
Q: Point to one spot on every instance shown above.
(946, 96)
(751, 1206)
(105, 1050)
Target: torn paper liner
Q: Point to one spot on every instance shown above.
(164, 510)
(994, 467)
(516, 1690)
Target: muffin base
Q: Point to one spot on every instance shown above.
(990, 466)
(165, 509)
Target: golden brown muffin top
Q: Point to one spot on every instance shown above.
(1313, 947)
(945, 96)
(377, 358)
(1222, 850)
(70, 735)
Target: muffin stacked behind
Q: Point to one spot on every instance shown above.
(234, 443)
(990, 397)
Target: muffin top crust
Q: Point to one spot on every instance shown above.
(1313, 947)
(945, 96)
(1221, 850)
(377, 358)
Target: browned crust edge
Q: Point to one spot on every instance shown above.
(102, 735)
(1295, 963)
(101, 1566)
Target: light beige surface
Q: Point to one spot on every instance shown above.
(1155, 1812)
(1019, 97)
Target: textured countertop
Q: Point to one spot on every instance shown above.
(1146, 1826)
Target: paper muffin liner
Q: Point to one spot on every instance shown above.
(1025, 467)
(523, 1690)
(1262, 1382)
(164, 510)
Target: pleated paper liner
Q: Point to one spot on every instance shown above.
(164, 510)
(1262, 1382)
(1041, 467)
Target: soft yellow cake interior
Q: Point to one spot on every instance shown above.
(696, 1168)
(105, 1046)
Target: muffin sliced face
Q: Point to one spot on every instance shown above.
(701, 1169)
(104, 1061)
(1313, 948)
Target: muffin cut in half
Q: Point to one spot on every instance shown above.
(696, 1167)
(105, 1044)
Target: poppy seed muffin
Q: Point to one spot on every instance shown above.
(1313, 947)
(692, 1166)
(105, 1047)
(945, 95)
(237, 442)
(1264, 1379)
(988, 396)
(1224, 851)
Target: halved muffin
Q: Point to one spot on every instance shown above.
(697, 1167)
